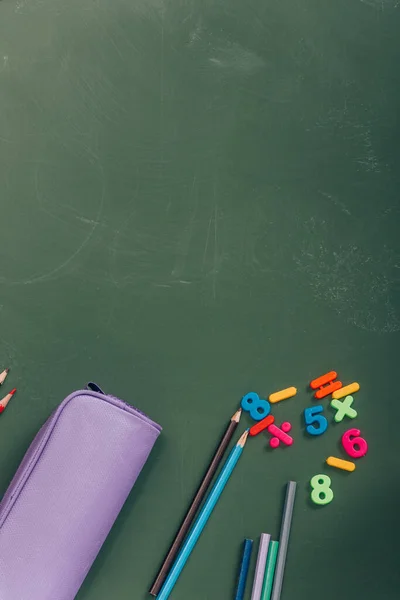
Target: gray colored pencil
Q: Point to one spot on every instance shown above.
(260, 567)
(284, 540)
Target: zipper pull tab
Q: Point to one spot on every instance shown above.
(94, 387)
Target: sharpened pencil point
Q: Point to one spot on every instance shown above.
(6, 400)
(237, 415)
(3, 376)
(243, 438)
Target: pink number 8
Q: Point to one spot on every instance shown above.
(350, 440)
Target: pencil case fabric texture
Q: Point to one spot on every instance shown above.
(67, 493)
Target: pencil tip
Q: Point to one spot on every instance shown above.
(6, 400)
(243, 438)
(237, 415)
(3, 376)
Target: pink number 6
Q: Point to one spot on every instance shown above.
(350, 440)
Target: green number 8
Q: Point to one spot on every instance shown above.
(322, 493)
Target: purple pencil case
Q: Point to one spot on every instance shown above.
(67, 493)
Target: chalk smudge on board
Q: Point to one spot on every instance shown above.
(234, 57)
(381, 4)
(359, 137)
(336, 202)
(360, 287)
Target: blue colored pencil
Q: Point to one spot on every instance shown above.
(202, 519)
(244, 569)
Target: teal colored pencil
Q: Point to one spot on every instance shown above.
(270, 571)
(202, 519)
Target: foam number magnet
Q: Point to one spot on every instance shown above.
(354, 445)
(322, 493)
(258, 409)
(316, 423)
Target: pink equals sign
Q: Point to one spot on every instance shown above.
(280, 435)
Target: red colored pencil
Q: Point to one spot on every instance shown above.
(6, 400)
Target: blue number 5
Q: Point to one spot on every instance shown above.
(311, 415)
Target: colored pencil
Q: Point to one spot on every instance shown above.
(3, 376)
(6, 400)
(195, 505)
(260, 566)
(270, 570)
(244, 569)
(284, 540)
(204, 515)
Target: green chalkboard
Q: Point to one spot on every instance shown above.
(198, 199)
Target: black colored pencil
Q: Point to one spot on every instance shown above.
(197, 500)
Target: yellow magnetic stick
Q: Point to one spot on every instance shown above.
(282, 395)
(347, 390)
(339, 463)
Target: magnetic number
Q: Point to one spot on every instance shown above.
(311, 415)
(354, 445)
(258, 409)
(322, 493)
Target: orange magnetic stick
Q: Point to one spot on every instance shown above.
(324, 379)
(261, 425)
(328, 389)
(325, 385)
